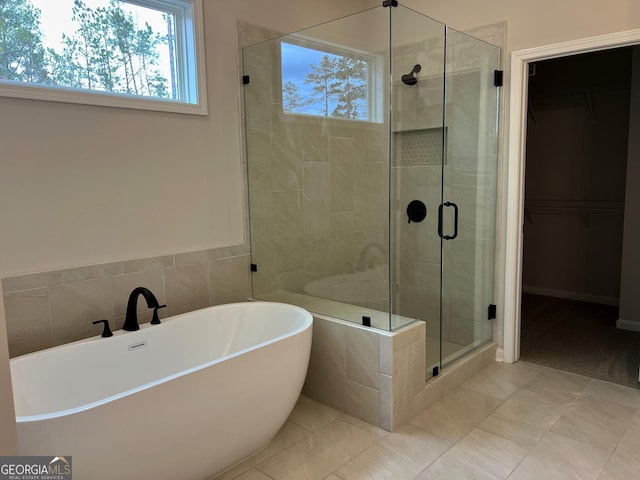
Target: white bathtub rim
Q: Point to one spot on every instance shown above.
(70, 411)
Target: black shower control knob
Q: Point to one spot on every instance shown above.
(416, 211)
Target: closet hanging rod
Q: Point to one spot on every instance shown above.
(580, 92)
(573, 206)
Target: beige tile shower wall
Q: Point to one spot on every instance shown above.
(318, 194)
(52, 308)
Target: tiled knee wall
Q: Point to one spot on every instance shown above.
(379, 376)
(367, 373)
(56, 307)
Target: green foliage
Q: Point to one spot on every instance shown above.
(323, 79)
(340, 85)
(21, 51)
(352, 76)
(106, 52)
(291, 99)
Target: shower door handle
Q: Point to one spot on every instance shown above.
(455, 220)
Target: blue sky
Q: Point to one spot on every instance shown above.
(296, 63)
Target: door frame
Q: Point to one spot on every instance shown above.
(515, 171)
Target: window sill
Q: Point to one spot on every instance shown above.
(105, 99)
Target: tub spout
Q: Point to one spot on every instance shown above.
(131, 319)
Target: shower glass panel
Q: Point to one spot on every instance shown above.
(371, 155)
(317, 126)
(469, 194)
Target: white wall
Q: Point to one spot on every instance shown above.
(81, 185)
(630, 279)
(535, 23)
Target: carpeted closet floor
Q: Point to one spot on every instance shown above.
(579, 337)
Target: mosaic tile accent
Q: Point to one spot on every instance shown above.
(416, 148)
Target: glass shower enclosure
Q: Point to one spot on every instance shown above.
(371, 146)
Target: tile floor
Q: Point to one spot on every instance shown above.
(518, 421)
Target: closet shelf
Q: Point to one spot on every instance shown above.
(588, 93)
(570, 207)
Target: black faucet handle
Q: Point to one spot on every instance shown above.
(156, 320)
(106, 331)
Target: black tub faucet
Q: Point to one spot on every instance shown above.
(131, 319)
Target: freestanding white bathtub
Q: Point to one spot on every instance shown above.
(184, 400)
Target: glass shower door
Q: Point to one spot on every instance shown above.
(443, 166)
(468, 208)
(417, 148)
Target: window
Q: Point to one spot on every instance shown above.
(131, 53)
(324, 80)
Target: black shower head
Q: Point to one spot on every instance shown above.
(409, 78)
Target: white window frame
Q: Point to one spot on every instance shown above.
(374, 71)
(191, 70)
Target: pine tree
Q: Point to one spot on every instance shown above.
(341, 83)
(63, 69)
(138, 52)
(323, 79)
(103, 55)
(105, 52)
(80, 46)
(146, 51)
(292, 101)
(124, 33)
(22, 55)
(352, 76)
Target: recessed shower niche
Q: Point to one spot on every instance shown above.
(339, 141)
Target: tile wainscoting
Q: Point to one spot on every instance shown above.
(56, 307)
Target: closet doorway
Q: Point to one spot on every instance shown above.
(577, 141)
